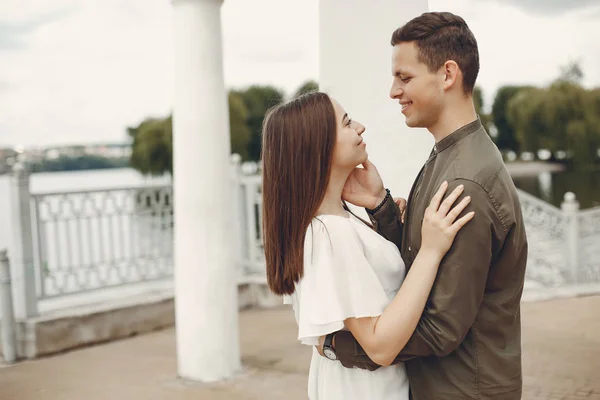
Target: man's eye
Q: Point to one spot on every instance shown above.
(405, 80)
(349, 122)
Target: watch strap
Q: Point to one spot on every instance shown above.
(329, 340)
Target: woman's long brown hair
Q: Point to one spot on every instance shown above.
(297, 146)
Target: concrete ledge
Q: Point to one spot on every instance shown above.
(257, 295)
(65, 329)
(86, 325)
(568, 291)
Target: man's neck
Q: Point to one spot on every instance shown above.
(451, 120)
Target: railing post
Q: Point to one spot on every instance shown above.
(237, 215)
(570, 208)
(9, 339)
(23, 273)
(250, 222)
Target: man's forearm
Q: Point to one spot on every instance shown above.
(388, 222)
(351, 354)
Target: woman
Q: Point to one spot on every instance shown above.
(337, 272)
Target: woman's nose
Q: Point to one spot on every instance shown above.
(359, 128)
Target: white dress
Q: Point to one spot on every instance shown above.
(349, 271)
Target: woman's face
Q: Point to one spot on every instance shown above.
(350, 150)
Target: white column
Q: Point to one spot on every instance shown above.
(205, 280)
(355, 68)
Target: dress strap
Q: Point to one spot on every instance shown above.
(359, 218)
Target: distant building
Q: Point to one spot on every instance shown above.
(7, 159)
(117, 150)
(109, 150)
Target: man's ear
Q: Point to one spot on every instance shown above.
(451, 74)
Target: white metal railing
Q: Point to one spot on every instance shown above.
(88, 240)
(545, 227)
(589, 245)
(73, 242)
(564, 244)
(248, 201)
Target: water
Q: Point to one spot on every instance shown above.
(90, 180)
(549, 186)
(552, 186)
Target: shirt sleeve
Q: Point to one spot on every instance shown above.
(452, 305)
(388, 222)
(338, 281)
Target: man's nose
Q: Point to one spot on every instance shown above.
(395, 92)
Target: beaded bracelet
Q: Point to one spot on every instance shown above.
(387, 196)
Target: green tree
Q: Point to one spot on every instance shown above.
(523, 113)
(152, 147)
(565, 102)
(506, 138)
(571, 72)
(595, 101)
(238, 125)
(563, 116)
(307, 87)
(259, 99)
(583, 133)
(478, 101)
(579, 138)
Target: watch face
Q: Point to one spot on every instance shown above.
(329, 353)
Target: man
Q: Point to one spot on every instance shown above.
(467, 344)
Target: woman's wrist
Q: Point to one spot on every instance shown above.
(430, 256)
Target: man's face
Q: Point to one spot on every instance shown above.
(419, 92)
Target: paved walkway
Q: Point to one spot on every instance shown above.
(561, 360)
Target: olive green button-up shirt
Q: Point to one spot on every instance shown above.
(467, 344)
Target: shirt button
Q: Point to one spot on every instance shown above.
(409, 248)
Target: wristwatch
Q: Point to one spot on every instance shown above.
(328, 349)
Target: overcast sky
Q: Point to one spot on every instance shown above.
(81, 71)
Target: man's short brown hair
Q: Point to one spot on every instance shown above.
(439, 37)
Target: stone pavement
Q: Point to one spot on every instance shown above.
(561, 349)
(561, 360)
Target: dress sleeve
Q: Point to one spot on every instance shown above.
(338, 281)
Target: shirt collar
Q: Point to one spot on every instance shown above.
(457, 135)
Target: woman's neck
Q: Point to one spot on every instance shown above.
(332, 202)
